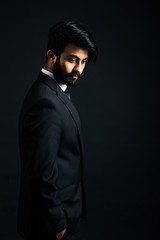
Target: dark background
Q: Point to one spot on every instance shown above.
(117, 99)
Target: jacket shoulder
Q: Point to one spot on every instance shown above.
(39, 92)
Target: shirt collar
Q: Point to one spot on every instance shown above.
(50, 74)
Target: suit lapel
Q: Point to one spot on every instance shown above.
(64, 98)
(66, 101)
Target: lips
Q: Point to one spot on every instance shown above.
(75, 76)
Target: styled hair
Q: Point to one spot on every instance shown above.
(62, 33)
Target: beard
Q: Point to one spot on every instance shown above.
(69, 79)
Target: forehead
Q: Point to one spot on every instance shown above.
(73, 49)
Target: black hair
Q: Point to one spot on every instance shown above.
(62, 33)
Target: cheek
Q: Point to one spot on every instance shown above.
(67, 67)
(83, 67)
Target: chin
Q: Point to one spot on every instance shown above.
(71, 83)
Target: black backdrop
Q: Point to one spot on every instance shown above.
(117, 99)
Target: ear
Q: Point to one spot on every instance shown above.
(51, 56)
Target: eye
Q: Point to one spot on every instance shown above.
(72, 60)
(84, 62)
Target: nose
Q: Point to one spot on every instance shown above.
(78, 67)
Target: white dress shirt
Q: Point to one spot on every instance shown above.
(62, 86)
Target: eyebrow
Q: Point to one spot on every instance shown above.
(74, 56)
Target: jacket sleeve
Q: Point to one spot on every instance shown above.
(42, 132)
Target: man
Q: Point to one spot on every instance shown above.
(52, 199)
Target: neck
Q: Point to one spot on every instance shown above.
(48, 68)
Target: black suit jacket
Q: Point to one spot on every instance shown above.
(51, 151)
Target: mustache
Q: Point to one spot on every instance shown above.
(77, 74)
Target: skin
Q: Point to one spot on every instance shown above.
(69, 67)
(72, 62)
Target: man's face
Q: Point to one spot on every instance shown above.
(70, 66)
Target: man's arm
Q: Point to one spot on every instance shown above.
(42, 131)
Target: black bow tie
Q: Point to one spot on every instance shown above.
(67, 93)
